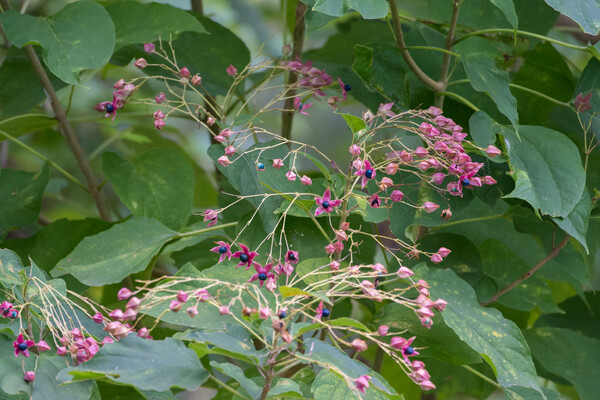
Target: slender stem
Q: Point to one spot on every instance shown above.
(522, 33)
(432, 48)
(464, 221)
(542, 95)
(197, 6)
(439, 100)
(461, 99)
(482, 376)
(201, 231)
(52, 163)
(287, 117)
(397, 27)
(227, 387)
(529, 273)
(66, 127)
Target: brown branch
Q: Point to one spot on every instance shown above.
(287, 117)
(422, 76)
(65, 126)
(529, 273)
(197, 6)
(439, 101)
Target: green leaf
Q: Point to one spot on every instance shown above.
(526, 296)
(46, 387)
(355, 124)
(10, 267)
(508, 9)
(485, 330)
(237, 374)
(285, 387)
(477, 56)
(158, 184)
(110, 256)
(80, 36)
(245, 177)
(324, 354)
(21, 197)
(570, 355)
(152, 21)
(146, 364)
(369, 9)
(382, 69)
(483, 14)
(287, 291)
(576, 223)
(581, 315)
(585, 12)
(55, 241)
(547, 169)
(236, 342)
(330, 386)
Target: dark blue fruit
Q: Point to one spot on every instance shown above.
(326, 312)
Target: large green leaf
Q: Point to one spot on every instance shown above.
(570, 355)
(235, 372)
(547, 169)
(80, 36)
(585, 12)
(330, 386)
(46, 387)
(248, 180)
(55, 241)
(158, 184)
(529, 294)
(110, 256)
(325, 354)
(10, 267)
(478, 59)
(580, 315)
(382, 69)
(576, 223)
(508, 9)
(21, 197)
(485, 330)
(236, 342)
(146, 364)
(369, 9)
(152, 21)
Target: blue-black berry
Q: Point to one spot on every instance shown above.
(347, 87)
(23, 346)
(326, 312)
(110, 108)
(262, 276)
(466, 182)
(244, 257)
(325, 204)
(282, 314)
(13, 314)
(292, 257)
(261, 166)
(409, 350)
(222, 250)
(369, 173)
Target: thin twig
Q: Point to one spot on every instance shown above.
(65, 126)
(422, 76)
(529, 273)
(287, 117)
(439, 101)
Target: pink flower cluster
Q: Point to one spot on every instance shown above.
(310, 77)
